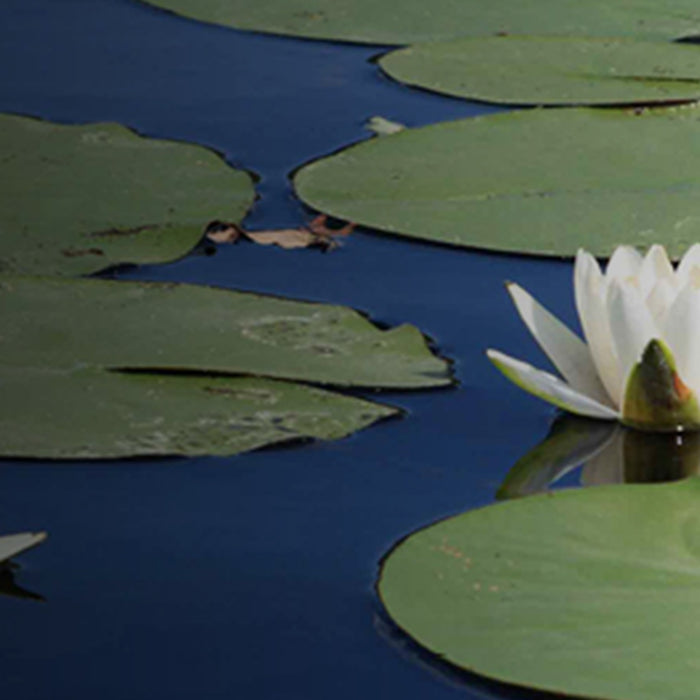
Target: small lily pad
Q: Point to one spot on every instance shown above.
(78, 199)
(590, 592)
(538, 181)
(551, 70)
(409, 21)
(182, 327)
(89, 414)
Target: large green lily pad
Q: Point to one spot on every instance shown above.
(591, 593)
(77, 199)
(58, 322)
(83, 414)
(539, 181)
(409, 21)
(551, 70)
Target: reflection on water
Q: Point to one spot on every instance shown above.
(9, 588)
(608, 454)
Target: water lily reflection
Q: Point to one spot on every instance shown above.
(608, 454)
(641, 359)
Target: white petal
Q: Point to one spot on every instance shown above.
(631, 324)
(625, 264)
(11, 545)
(655, 267)
(682, 335)
(689, 262)
(589, 290)
(568, 353)
(659, 301)
(550, 388)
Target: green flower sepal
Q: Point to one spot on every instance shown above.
(656, 397)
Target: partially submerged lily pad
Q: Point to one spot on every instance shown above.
(409, 21)
(84, 414)
(546, 181)
(551, 70)
(77, 199)
(183, 327)
(589, 593)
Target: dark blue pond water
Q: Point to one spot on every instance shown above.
(252, 577)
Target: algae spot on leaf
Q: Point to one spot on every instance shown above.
(78, 199)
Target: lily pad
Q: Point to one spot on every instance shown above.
(539, 181)
(184, 327)
(589, 592)
(78, 199)
(409, 21)
(551, 70)
(84, 414)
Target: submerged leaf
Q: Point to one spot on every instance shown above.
(315, 235)
(590, 592)
(535, 181)
(77, 199)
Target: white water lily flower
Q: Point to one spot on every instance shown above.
(640, 363)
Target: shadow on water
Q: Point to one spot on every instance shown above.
(10, 588)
